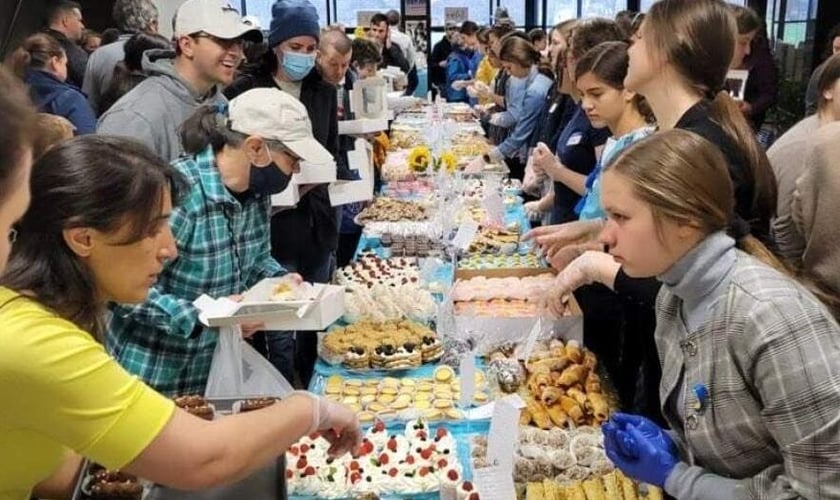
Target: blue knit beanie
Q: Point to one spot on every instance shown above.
(291, 18)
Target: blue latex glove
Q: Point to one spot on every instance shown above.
(646, 426)
(638, 456)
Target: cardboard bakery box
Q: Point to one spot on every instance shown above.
(362, 126)
(311, 173)
(360, 160)
(317, 312)
(496, 331)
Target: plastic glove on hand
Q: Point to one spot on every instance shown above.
(482, 89)
(532, 210)
(338, 424)
(542, 158)
(643, 458)
(476, 165)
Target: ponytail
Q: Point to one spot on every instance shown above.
(730, 118)
(35, 53)
(752, 246)
(208, 127)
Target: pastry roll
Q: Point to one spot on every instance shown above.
(594, 489)
(552, 364)
(572, 409)
(538, 414)
(600, 408)
(593, 382)
(628, 487)
(550, 395)
(537, 381)
(558, 416)
(534, 491)
(573, 352)
(524, 417)
(572, 375)
(589, 360)
(577, 395)
(574, 491)
(654, 493)
(612, 486)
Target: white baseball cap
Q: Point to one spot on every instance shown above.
(213, 18)
(274, 114)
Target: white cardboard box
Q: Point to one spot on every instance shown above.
(256, 306)
(314, 174)
(344, 192)
(362, 126)
(288, 198)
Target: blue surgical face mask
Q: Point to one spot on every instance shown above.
(297, 65)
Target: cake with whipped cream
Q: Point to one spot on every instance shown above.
(415, 461)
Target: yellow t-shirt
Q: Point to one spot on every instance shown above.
(485, 73)
(60, 390)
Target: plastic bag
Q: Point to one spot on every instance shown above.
(238, 370)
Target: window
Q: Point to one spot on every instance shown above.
(262, 9)
(645, 4)
(479, 10)
(560, 10)
(516, 10)
(345, 10)
(603, 8)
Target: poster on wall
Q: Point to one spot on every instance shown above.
(456, 15)
(415, 8)
(417, 31)
(363, 17)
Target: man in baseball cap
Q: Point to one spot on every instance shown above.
(273, 114)
(208, 50)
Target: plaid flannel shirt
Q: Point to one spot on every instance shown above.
(223, 249)
(769, 354)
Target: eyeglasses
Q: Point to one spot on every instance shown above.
(13, 234)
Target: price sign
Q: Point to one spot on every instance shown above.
(456, 15)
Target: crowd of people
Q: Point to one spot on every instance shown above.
(136, 174)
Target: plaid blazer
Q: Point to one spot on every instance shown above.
(769, 356)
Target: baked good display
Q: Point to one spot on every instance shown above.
(435, 397)
(370, 270)
(515, 261)
(495, 241)
(196, 405)
(391, 210)
(103, 484)
(565, 462)
(254, 404)
(411, 245)
(389, 345)
(529, 288)
(564, 387)
(416, 459)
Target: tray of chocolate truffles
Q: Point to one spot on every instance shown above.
(411, 245)
(98, 483)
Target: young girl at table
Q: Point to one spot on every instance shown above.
(95, 232)
(750, 357)
(222, 233)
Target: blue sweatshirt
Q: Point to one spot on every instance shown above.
(53, 96)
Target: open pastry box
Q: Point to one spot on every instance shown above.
(317, 310)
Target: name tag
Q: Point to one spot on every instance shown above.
(575, 139)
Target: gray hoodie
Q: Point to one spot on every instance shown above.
(154, 110)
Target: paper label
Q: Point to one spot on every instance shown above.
(530, 341)
(363, 17)
(456, 15)
(504, 433)
(495, 483)
(494, 206)
(465, 235)
(467, 373)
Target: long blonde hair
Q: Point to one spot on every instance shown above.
(697, 38)
(684, 178)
